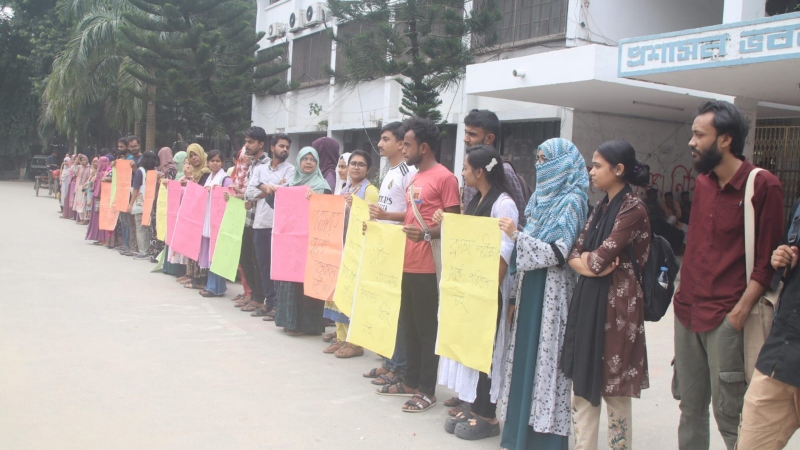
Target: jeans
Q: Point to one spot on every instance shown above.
(142, 235)
(123, 228)
(216, 284)
(132, 233)
(249, 264)
(398, 364)
(262, 239)
(709, 368)
(419, 309)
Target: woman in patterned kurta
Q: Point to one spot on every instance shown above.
(535, 393)
(604, 350)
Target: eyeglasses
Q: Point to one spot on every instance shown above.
(358, 164)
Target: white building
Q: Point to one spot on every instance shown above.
(583, 72)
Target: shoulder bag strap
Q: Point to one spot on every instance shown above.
(750, 223)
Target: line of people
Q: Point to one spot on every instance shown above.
(570, 323)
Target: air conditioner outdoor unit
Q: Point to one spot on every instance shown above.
(276, 30)
(315, 14)
(297, 20)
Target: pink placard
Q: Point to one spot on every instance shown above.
(174, 193)
(290, 234)
(218, 205)
(189, 225)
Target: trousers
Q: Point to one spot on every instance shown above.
(771, 414)
(709, 369)
(419, 308)
(586, 423)
(262, 239)
(142, 235)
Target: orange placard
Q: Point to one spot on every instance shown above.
(108, 216)
(123, 195)
(325, 241)
(149, 196)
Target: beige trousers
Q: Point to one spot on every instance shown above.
(770, 416)
(586, 423)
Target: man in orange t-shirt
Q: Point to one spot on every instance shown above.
(433, 188)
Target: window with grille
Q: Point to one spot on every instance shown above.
(518, 143)
(525, 20)
(310, 54)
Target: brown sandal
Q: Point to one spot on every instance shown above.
(349, 350)
(333, 348)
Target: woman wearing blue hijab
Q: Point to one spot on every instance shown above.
(535, 394)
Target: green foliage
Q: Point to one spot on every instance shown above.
(29, 41)
(428, 42)
(203, 56)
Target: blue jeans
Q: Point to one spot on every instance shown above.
(262, 241)
(123, 225)
(397, 365)
(216, 284)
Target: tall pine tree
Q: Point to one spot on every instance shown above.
(202, 54)
(429, 42)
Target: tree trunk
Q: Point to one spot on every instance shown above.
(137, 129)
(151, 115)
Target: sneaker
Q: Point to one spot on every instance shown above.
(141, 257)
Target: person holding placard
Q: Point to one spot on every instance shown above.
(238, 174)
(262, 183)
(391, 208)
(535, 394)
(175, 263)
(297, 313)
(342, 170)
(94, 233)
(255, 143)
(483, 170)
(604, 345)
(433, 188)
(149, 161)
(167, 170)
(360, 162)
(198, 164)
(215, 286)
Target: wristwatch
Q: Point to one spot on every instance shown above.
(515, 235)
(427, 236)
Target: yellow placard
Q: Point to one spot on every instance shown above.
(351, 257)
(376, 308)
(468, 290)
(161, 213)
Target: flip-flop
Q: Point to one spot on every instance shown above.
(385, 379)
(453, 401)
(401, 391)
(210, 294)
(420, 406)
(373, 373)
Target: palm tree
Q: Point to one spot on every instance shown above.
(93, 72)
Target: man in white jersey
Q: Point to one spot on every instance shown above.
(391, 208)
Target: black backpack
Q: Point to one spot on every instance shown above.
(656, 298)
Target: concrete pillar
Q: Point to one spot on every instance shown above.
(749, 108)
(741, 10)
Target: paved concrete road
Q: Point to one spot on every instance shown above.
(98, 353)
